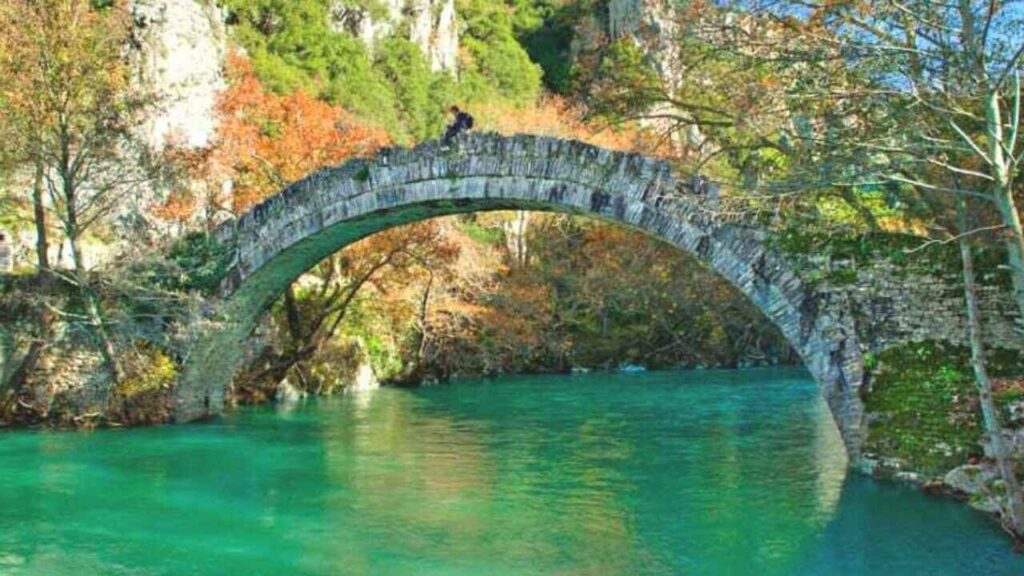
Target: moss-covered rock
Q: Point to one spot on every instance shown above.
(923, 405)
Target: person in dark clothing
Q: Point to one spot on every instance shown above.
(462, 122)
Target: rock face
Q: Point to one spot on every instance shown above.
(434, 30)
(969, 478)
(653, 25)
(430, 24)
(980, 484)
(181, 46)
(364, 378)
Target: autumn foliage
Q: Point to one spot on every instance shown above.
(266, 141)
(554, 116)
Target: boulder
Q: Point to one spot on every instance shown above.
(970, 479)
(287, 393)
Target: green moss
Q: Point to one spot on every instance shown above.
(923, 404)
(202, 263)
(842, 277)
(488, 236)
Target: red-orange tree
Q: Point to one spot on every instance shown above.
(265, 141)
(268, 140)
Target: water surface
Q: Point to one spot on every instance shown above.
(659, 473)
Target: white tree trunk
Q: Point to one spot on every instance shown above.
(1013, 515)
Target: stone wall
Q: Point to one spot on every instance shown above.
(913, 302)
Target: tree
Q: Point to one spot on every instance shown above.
(713, 110)
(1013, 514)
(68, 92)
(268, 140)
(311, 316)
(264, 142)
(937, 113)
(18, 147)
(934, 111)
(908, 96)
(495, 65)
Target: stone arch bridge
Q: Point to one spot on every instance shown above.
(287, 234)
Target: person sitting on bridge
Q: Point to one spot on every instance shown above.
(463, 122)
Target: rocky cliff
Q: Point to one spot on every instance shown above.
(181, 45)
(653, 25)
(430, 24)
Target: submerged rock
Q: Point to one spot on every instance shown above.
(979, 483)
(286, 393)
(969, 478)
(632, 368)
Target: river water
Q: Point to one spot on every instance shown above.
(715, 472)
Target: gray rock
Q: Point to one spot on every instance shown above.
(970, 479)
(429, 24)
(286, 393)
(182, 48)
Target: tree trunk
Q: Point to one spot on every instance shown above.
(1014, 245)
(515, 239)
(1013, 517)
(1002, 191)
(94, 310)
(15, 380)
(292, 316)
(42, 245)
(424, 305)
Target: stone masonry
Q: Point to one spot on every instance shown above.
(831, 325)
(287, 234)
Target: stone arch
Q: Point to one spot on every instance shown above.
(287, 234)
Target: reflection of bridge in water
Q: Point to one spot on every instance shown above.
(280, 239)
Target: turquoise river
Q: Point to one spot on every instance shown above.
(714, 472)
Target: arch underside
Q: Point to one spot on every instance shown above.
(287, 235)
